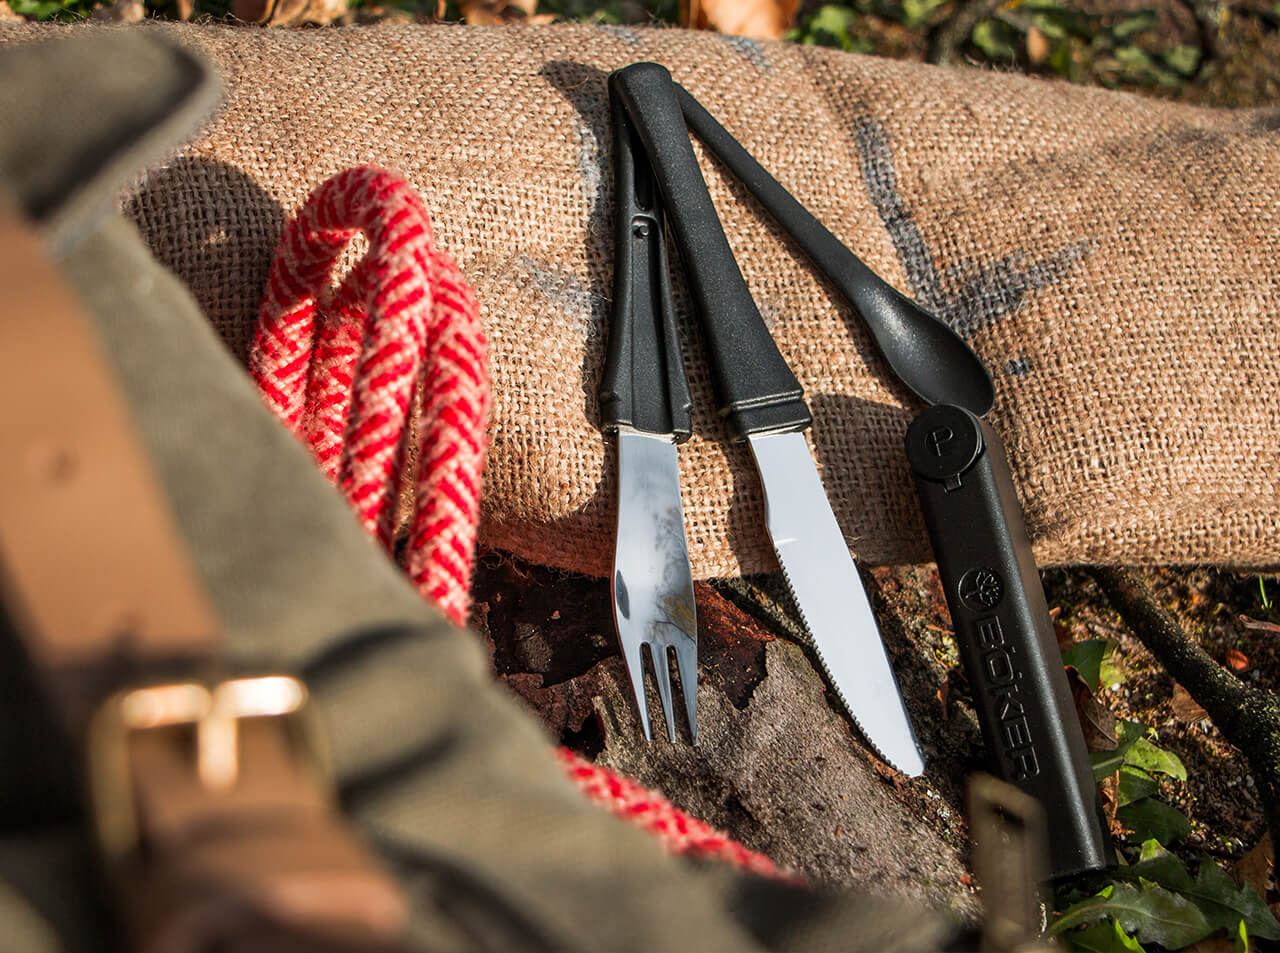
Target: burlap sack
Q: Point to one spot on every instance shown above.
(1112, 259)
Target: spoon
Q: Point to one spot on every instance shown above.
(926, 354)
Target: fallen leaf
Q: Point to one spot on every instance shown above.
(1259, 625)
(1237, 661)
(1254, 868)
(122, 11)
(755, 19)
(1037, 46)
(6, 13)
(1107, 791)
(288, 12)
(1185, 708)
(499, 12)
(1096, 720)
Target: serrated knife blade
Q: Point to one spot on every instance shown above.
(833, 601)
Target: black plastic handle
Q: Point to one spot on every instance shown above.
(1003, 630)
(755, 387)
(644, 384)
(926, 354)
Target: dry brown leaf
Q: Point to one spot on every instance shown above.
(1037, 46)
(1254, 868)
(6, 13)
(1108, 794)
(1185, 708)
(1259, 625)
(1237, 661)
(122, 11)
(499, 12)
(1097, 721)
(756, 19)
(288, 12)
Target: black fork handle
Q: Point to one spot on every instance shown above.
(755, 387)
(643, 384)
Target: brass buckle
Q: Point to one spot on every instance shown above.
(212, 713)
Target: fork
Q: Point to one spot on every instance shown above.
(645, 400)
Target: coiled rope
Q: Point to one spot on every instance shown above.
(340, 368)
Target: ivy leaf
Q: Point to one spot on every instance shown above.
(1135, 784)
(1107, 763)
(1148, 911)
(1132, 25)
(1230, 906)
(1150, 819)
(1105, 936)
(1147, 757)
(1087, 658)
(1225, 905)
(1184, 58)
(995, 40)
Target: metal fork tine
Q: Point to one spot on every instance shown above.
(687, 665)
(633, 655)
(662, 674)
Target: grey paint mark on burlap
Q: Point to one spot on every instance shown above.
(971, 294)
(624, 33)
(568, 293)
(750, 50)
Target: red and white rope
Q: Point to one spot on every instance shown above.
(339, 367)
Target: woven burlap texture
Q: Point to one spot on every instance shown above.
(1114, 260)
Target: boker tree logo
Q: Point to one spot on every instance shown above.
(981, 589)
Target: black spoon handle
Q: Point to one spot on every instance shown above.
(1003, 630)
(756, 389)
(925, 353)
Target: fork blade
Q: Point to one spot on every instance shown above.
(687, 665)
(652, 582)
(634, 659)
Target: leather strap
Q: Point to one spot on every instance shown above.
(230, 841)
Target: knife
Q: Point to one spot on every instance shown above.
(644, 400)
(763, 405)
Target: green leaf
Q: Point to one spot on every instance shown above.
(830, 26)
(1148, 911)
(1087, 658)
(1150, 819)
(1134, 24)
(1184, 58)
(916, 13)
(1241, 944)
(1105, 936)
(1232, 906)
(1135, 784)
(995, 39)
(1146, 756)
(1107, 763)
(1111, 672)
(1225, 905)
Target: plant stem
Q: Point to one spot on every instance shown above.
(1247, 715)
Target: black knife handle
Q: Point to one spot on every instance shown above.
(923, 354)
(1003, 630)
(644, 384)
(755, 387)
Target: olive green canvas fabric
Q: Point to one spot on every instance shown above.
(453, 785)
